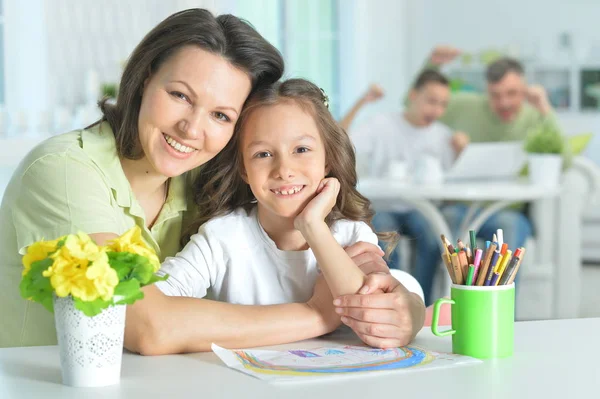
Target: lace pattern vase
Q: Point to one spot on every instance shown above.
(90, 348)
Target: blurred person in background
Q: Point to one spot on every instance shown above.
(403, 136)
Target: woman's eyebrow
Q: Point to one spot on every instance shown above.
(186, 85)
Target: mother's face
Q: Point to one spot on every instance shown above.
(189, 109)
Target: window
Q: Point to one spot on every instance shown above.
(306, 33)
(1, 53)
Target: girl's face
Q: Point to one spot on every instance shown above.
(284, 159)
(188, 111)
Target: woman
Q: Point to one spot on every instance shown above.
(180, 95)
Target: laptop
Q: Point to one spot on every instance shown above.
(481, 161)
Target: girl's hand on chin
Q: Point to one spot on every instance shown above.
(320, 206)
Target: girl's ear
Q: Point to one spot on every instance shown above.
(244, 175)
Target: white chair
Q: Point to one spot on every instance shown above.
(546, 293)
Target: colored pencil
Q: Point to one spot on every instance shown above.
(457, 269)
(486, 264)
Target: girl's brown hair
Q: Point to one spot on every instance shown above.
(225, 35)
(219, 188)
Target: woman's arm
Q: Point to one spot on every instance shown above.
(160, 324)
(174, 317)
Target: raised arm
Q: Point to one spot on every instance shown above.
(439, 56)
(374, 93)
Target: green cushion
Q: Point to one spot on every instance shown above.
(579, 142)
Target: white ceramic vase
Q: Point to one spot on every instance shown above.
(545, 169)
(91, 348)
(427, 170)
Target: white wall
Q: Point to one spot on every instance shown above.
(26, 58)
(89, 35)
(529, 26)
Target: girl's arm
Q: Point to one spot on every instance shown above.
(172, 317)
(342, 275)
(160, 324)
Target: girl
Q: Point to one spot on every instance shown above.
(280, 200)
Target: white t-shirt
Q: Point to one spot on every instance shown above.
(389, 137)
(232, 259)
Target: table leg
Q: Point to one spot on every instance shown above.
(486, 212)
(469, 217)
(437, 222)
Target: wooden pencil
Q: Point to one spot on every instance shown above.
(464, 263)
(457, 269)
(514, 273)
(445, 243)
(483, 269)
(448, 263)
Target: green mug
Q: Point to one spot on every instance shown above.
(483, 320)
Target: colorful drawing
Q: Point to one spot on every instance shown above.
(351, 359)
(333, 360)
(304, 354)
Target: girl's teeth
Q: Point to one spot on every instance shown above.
(289, 192)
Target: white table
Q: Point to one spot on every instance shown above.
(553, 359)
(489, 196)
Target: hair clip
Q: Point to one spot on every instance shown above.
(325, 98)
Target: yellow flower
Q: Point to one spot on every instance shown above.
(80, 268)
(104, 277)
(132, 241)
(38, 251)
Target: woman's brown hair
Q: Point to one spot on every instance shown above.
(220, 189)
(225, 35)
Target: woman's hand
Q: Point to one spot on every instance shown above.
(320, 206)
(368, 257)
(383, 320)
